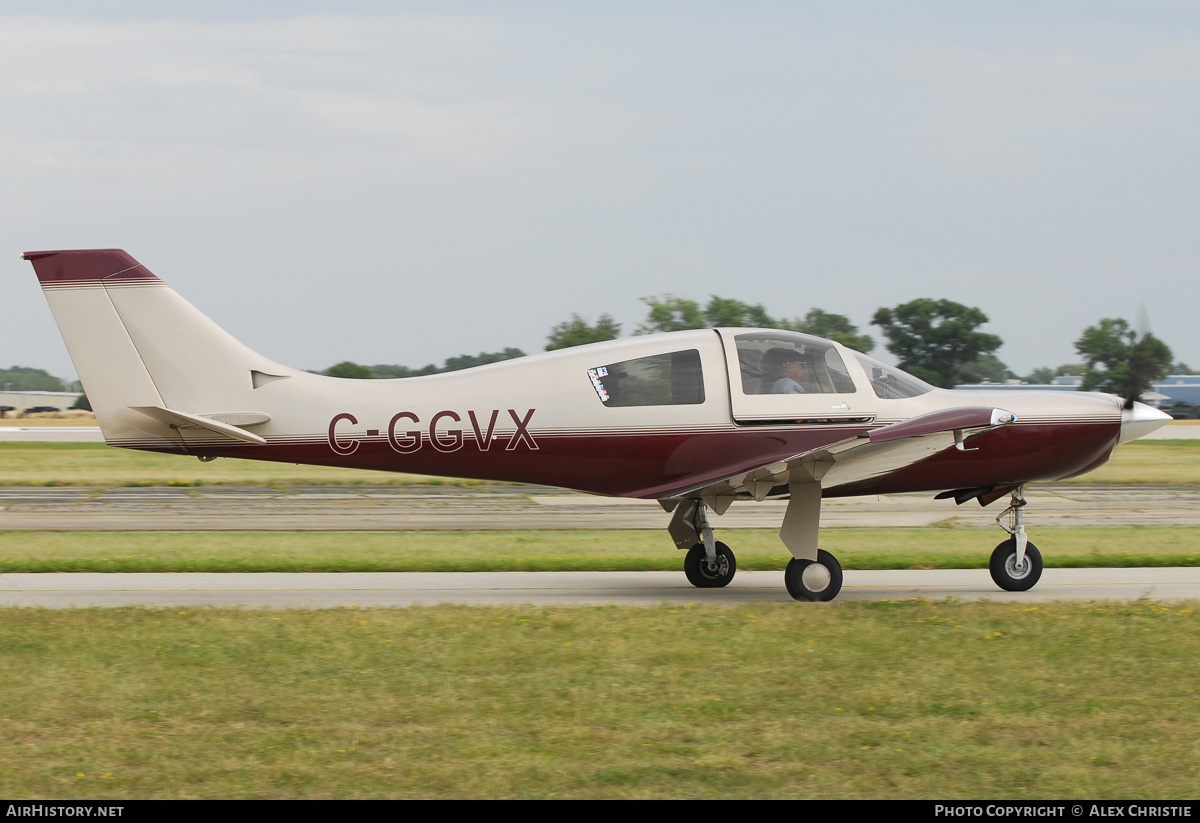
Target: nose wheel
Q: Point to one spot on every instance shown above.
(1016, 564)
(1011, 575)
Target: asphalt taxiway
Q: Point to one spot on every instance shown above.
(348, 590)
(522, 507)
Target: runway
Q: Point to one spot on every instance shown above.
(349, 590)
(50, 434)
(522, 507)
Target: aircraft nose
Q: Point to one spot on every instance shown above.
(1140, 421)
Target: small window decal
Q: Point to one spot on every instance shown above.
(595, 375)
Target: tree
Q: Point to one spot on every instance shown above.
(671, 314)
(833, 327)
(468, 361)
(725, 312)
(23, 378)
(384, 371)
(935, 339)
(986, 368)
(351, 370)
(81, 402)
(1039, 377)
(1117, 361)
(576, 332)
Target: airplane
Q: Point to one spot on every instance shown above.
(693, 419)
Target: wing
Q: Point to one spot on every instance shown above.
(871, 454)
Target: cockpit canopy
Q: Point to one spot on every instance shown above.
(765, 356)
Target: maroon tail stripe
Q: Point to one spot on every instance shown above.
(86, 266)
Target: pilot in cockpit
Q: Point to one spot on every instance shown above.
(786, 368)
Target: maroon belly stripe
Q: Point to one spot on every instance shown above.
(666, 463)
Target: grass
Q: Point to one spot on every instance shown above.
(908, 699)
(1154, 462)
(1149, 462)
(756, 549)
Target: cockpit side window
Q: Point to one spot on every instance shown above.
(889, 382)
(790, 363)
(674, 379)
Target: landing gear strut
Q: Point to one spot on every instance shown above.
(1016, 564)
(709, 564)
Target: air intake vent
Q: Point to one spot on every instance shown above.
(261, 378)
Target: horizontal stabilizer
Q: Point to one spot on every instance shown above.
(181, 420)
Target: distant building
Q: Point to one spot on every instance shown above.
(19, 401)
(1179, 388)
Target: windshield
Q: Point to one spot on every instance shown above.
(889, 382)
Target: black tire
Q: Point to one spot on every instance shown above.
(810, 589)
(695, 566)
(1003, 566)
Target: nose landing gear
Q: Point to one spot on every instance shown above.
(709, 564)
(1016, 564)
(705, 575)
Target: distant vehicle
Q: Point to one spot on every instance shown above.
(41, 409)
(5, 410)
(692, 419)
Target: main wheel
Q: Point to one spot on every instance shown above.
(809, 580)
(695, 566)
(1003, 566)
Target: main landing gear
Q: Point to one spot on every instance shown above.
(710, 564)
(1016, 564)
(819, 579)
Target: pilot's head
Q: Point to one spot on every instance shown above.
(780, 362)
(794, 370)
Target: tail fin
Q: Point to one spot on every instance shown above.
(140, 347)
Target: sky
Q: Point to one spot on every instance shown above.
(406, 182)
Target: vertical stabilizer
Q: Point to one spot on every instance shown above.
(136, 344)
(105, 357)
